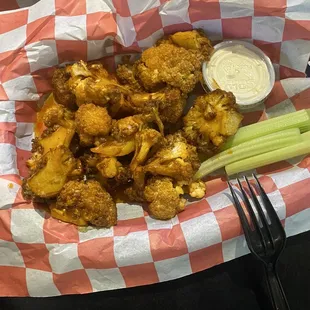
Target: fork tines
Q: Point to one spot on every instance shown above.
(265, 236)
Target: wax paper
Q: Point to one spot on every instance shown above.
(40, 256)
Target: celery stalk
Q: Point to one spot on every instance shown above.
(250, 148)
(287, 152)
(299, 119)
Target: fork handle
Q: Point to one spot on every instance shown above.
(275, 288)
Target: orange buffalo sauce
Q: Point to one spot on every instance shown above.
(39, 125)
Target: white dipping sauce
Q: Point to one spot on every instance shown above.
(237, 69)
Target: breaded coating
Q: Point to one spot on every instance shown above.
(57, 114)
(193, 40)
(127, 127)
(168, 64)
(169, 102)
(176, 159)
(109, 167)
(175, 61)
(126, 74)
(211, 120)
(85, 202)
(61, 89)
(144, 140)
(164, 198)
(92, 121)
(34, 161)
(123, 135)
(91, 83)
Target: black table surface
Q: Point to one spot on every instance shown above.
(235, 285)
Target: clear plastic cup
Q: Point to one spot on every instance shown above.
(243, 69)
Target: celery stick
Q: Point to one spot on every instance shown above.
(299, 119)
(250, 148)
(305, 136)
(287, 152)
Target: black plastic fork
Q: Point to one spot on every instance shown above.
(265, 237)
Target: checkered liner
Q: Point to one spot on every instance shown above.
(40, 256)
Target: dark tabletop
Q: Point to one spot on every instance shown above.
(236, 285)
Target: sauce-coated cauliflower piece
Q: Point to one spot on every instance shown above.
(197, 189)
(61, 89)
(211, 120)
(176, 159)
(175, 61)
(164, 198)
(92, 121)
(85, 202)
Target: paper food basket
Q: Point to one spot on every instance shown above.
(40, 256)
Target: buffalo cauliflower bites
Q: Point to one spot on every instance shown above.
(193, 40)
(61, 89)
(211, 120)
(127, 126)
(52, 172)
(85, 203)
(61, 136)
(114, 148)
(82, 83)
(169, 103)
(165, 200)
(92, 83)
(144, 140)
(104, 138)
(176, 159)
(197, 189)
(109, 167)
(57, 114)
(168, 64)
(92, 121)
(126, 74)
(175, 61)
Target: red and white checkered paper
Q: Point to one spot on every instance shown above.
(40, 256)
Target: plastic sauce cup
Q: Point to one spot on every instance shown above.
(243, 69)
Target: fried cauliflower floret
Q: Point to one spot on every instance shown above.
(211, 120)
(34, 161)
(171, 65)
(109, 167)
(61, 89)
(126, 74)
(164, 198)
(91, 83)
(51, 172)
(92, 121)
(175, 61)
(169, 103)
(197, 189)
(84, 203)
(58, 115)
(51, 139)
(114, 148)
(144, 140)
(127, 126)
(123, 135)
(176, 159)
(193, 40)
